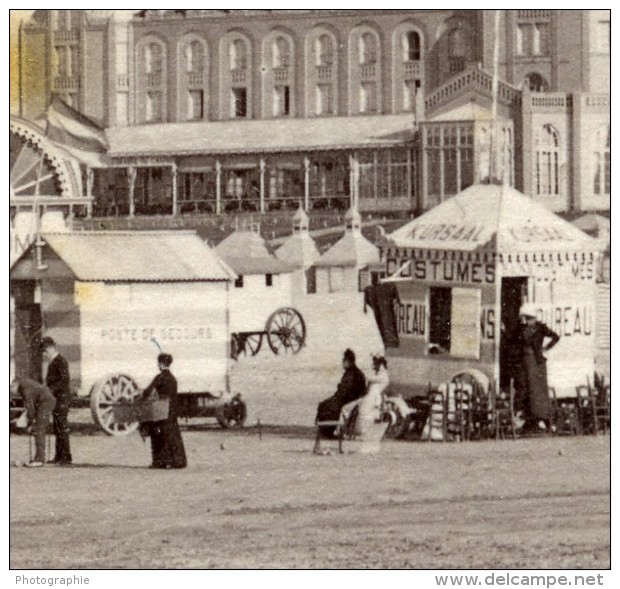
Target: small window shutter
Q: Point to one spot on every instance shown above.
(465, 318)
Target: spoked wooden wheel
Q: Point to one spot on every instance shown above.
(113, 389)
(253, 343)
(248, 344)
(286, 331)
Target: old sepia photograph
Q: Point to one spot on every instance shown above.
(343, 274)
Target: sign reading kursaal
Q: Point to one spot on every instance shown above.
(447, 232)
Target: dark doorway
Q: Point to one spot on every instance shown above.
(440, 320)
(514, 292)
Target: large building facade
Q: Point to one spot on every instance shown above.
(391, 110)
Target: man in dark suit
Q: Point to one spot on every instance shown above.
(352, 386)
(57, 380)
(39, 403)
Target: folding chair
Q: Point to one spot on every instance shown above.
(503, 411)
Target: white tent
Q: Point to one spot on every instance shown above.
(462, 271)
(339, 267)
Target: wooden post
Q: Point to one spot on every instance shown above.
(306, 183)
(389, 176)
(375, 177)
(90, 179)
(424, 170)
(351, 182)
(175, 189)
(442, 190)
(458, 160)
(218, 186)
(262, 167)
(131, 176)
(409, 179)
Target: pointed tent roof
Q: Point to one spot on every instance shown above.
(493, 218)
(298, 251)
(301, 217)
(352, 249)
(246, 253)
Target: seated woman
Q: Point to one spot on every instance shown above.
(352, 386)
(369, 407)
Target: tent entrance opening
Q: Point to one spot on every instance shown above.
(514, 292)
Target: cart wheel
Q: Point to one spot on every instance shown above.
(107, 391)
(253, 343)
(232, 414)
(234, 346)
(286, 330)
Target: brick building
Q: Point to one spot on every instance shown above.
(258, 110)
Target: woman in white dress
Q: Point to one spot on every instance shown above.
(369, 408)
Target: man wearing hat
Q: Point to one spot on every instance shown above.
(531, 378)
(39, 403)
(57, 380)
(352, 386)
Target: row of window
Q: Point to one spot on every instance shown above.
(366, 46)
(279, 94)
(280, 102)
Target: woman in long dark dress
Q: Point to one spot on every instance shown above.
(532, 376)
(167, 446)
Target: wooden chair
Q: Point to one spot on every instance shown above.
(601, 407)
(585, 409)
(565, 414)
(339, 426)
(503, 411)
(438, 413)
(462, 422)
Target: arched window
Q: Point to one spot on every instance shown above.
(324, 50)
(547, 161)
(458, 43)
(602, 161)
(194, 57)
(238, 55)
(367, 48)
(153, 58)
(536, 83)
(281, 53)
(411, 46)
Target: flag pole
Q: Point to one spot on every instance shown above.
(493, 137)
